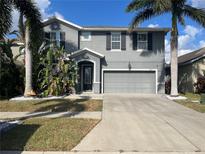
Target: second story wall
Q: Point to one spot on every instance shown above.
(69, 34)
(156, 55)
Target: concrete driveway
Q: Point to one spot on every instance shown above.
(145, 123)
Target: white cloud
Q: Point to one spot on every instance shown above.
(198, 3)
(202, 43)
(187, 42)
(191, 30)
(44, 6)
(57, 14)
(153, 25)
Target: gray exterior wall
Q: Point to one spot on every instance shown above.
(154, 59)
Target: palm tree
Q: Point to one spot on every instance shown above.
(33, 30)
(179, 9)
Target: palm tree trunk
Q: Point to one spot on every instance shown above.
(28, 65)
(174, 57)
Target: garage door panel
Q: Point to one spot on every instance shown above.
(129, 82)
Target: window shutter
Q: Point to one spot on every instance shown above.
(150, 41)
(62, 39)
(108, 41)
(47, 36)
(134, 39)
(123, 41)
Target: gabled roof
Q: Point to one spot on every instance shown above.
(86, 50)
(191, 57)
(102, 28)
(47, 21)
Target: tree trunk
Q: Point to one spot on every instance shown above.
(174, 57)
(28, 65)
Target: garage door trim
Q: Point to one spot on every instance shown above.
(127, 70)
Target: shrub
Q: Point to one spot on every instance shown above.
(11, 81)
(200, 84)
(57, 75)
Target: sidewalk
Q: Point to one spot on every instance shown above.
(22, 115)
(62, 152)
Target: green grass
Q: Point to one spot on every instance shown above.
(192, 96)
(57, 105)
(45, 134)
(191, 102)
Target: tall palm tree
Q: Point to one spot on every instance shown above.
(33, 30)
(179, 9)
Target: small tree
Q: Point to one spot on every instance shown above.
(57, 74)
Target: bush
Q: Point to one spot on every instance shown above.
(57, 75)
(11, 81)
(200, 84)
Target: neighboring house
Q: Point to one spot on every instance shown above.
(110, 59)
(19, 58)
(191, 66)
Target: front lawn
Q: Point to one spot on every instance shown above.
(192, 102)
(45, 134)
(57, 105)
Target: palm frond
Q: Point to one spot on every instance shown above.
(33, 17)
(181, 20)
(6, 17)
(195, 14)
(162, 5)
(144, 15)
(157, 5)
(139, 4)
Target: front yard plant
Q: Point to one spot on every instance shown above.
(57, 74)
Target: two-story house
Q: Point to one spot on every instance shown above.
(110, 59)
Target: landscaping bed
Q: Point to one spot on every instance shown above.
(57, 105)
(45, 134)
(193, 102)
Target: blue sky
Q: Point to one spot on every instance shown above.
(112, 12)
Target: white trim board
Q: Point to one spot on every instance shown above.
(132, 70)
(94, 67)
(89, 50)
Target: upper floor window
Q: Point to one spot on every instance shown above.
(142, 41)
(55, 38)
(116, 41)
(86, 36)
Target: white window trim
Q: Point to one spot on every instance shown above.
(128, 70)
(116, 50)
(83, 39)
(142, 50)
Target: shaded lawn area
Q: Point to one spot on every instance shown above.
(45, 134)
(57, 105)
(192, 103)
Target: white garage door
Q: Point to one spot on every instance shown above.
(129, 82)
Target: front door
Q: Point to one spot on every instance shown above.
(87, 78)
